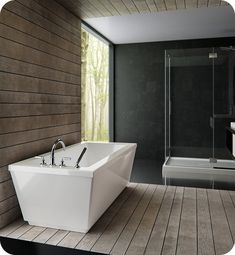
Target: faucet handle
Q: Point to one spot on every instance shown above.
(43, 163)
(62, 164)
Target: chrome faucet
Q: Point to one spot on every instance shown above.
(58, 141)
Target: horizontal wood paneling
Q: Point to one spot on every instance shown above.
(11, 19)
(38, 20)
(10, 216)
(6, 190)
(36, 98)
(17, 110)
(51, 16)
(33, 70)
(39, 88)
(4, 174)
(8, 204)
(18, 51)
(19, 152)
(12, 139)
(61, 12)
(21, 83)
(11, 125)
(34, 43)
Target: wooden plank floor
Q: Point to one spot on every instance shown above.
(150, 219)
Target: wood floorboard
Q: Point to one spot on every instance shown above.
(152, 220)
(32, 233)
(187, 239)
(71, 240)
(11, 227)
(171, 238)
(205, 235)
(20, 231)
(140, 240)
(127, 234)
(156, 240)
(229, 210)
(57, 237)
(108, 238)
(45, 235)
(221, 231)
(232, 194)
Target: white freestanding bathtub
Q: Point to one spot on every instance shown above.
(72, 198)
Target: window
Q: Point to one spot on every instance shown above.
(94, 87)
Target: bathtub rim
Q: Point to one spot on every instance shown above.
(88, 172)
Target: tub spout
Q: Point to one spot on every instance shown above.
(58, 141)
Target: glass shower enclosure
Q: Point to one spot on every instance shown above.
(199, 110)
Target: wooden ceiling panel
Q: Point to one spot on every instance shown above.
(171, 5)
(203, 3)
(191, 4)
(180, 4)
(152, 5)
(101, 7)
(130, 6)
(110, 7)
(142, 6)
(161, 5)
(214, 2)
(105, 8)
(120, 7)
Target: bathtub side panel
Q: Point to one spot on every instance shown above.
(52, 200)
(109, 182)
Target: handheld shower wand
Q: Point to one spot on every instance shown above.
(80, 157)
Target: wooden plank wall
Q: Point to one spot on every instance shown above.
(39, 86)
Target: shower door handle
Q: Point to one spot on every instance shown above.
(211, 122)
(169, 107)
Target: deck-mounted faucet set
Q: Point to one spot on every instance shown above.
(62, 163)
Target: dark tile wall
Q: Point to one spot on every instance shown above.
(139, 96)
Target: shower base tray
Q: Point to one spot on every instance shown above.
(199, 169)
